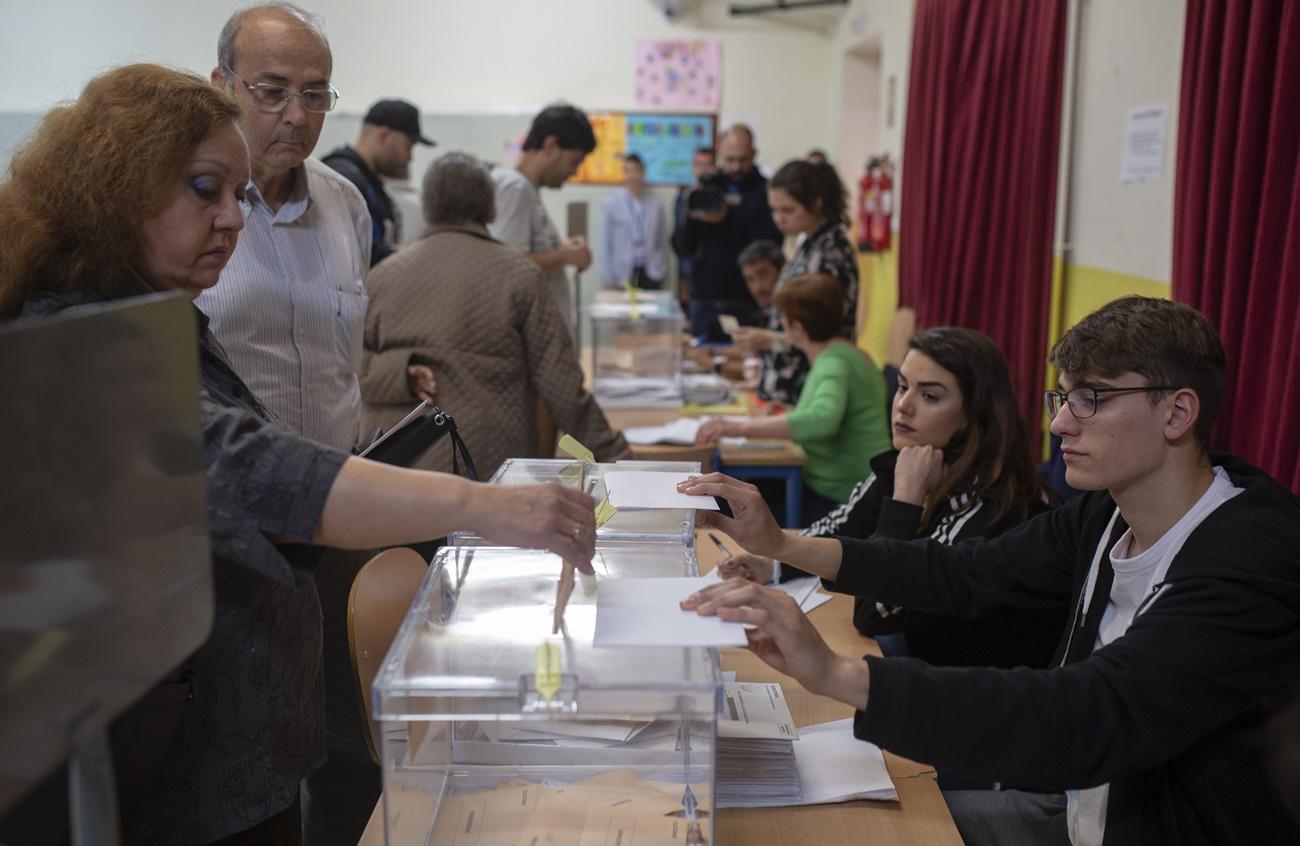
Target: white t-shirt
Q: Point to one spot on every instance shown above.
(1138, 581)
(522, 222)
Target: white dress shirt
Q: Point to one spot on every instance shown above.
(290, 307)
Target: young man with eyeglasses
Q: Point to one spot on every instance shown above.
(1182, 570)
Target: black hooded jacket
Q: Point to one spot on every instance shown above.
(1171, 715)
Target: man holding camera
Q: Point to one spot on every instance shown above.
(726, 212)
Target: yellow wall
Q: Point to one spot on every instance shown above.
(1077, 290)
(878, 299)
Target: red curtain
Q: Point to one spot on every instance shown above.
(980, 161)
(1237, 215)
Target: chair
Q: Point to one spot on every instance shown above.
(901, 330)
(381, 595)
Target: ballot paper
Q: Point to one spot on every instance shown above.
(755, 710)
(806, 591)
(647, 612)
(834, 766)
(651, 489)
(826, 764)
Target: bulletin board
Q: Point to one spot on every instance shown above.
(665, 142)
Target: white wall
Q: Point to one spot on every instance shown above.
(888, 24)
(445, 55)
(1130, 55)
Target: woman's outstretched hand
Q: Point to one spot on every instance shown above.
(752, 525)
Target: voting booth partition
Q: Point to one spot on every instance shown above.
(105, 573)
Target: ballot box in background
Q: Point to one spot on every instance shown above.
(636, 349)
(626, 525)
(495, 731)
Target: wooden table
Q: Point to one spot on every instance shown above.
(918, 817)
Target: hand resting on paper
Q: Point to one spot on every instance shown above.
(745, 565)
(784, 638)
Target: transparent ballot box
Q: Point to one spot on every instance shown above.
(627, 525)
(494, 731)
(636, 351)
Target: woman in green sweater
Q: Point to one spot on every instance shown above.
(841, 420)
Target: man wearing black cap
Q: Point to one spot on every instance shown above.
(391, 128)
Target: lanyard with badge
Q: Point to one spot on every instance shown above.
(636, 211)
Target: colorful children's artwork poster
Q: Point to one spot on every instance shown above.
(604, 165)
(665, 142)
(678, 73)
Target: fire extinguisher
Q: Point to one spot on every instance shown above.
(866, 205)
(881, 206)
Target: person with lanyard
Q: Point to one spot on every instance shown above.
(809, 202)
(632, 225)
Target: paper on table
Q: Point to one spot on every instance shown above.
(815, 600)
(681, 431)
(646, 612)
(805, 591)
(755, 709)
(650, 489)
(834, 766)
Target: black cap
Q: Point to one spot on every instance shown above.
(399, 115)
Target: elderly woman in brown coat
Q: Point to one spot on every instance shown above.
(468, 322)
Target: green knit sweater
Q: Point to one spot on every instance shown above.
(841, 420)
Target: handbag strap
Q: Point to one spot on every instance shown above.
(459, 452)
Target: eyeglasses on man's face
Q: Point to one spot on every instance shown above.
(1083, 402)
(269, 97)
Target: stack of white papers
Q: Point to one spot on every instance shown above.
(834, 766)
(756, 764)
(647, 612)
(827, 762)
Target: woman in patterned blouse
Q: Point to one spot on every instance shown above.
(809, 202)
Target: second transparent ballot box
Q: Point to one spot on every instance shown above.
(496, 731)
(636, 351)
(666, 525)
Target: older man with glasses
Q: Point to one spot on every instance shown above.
(290, 310)
(291, 303)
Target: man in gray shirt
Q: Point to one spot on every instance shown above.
(557, 142)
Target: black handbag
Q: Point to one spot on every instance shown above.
(414, 435)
